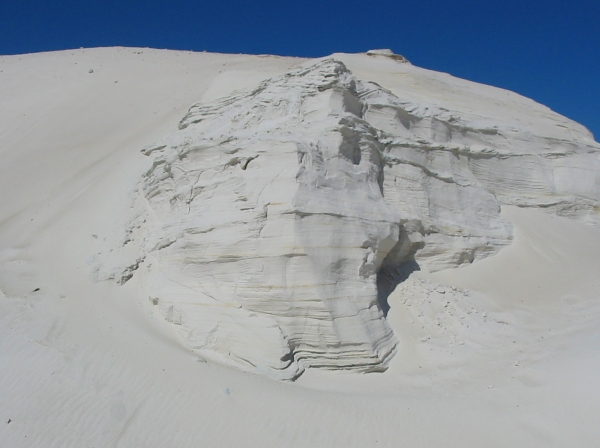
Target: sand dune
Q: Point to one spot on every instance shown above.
(502, 352)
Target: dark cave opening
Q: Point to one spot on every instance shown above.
(390, 276)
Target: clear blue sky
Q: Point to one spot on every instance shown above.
(546, 50)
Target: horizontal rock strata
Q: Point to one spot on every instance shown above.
(276, 220)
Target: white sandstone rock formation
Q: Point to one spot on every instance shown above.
(274, 222)
(389, 54)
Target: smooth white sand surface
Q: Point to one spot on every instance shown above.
(514, 360)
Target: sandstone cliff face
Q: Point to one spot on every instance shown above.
(275, 221)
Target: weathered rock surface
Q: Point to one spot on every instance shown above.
(275, 221)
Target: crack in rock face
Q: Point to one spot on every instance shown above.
(276, 221)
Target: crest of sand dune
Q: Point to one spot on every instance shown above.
(167, 216)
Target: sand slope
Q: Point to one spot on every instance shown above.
(512, 360)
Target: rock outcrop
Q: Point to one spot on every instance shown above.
(275, 221)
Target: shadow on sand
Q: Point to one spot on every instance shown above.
(391, 276)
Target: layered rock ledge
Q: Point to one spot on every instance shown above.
(275, 221)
